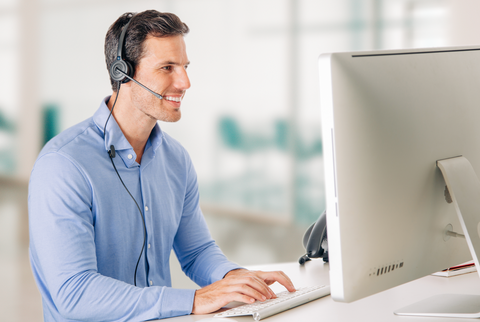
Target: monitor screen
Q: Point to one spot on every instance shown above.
(387, 117)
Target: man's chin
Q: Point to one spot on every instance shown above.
(173, 117)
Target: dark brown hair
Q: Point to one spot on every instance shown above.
(146, 23)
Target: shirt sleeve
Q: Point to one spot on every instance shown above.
(63, 256)
(200, 257)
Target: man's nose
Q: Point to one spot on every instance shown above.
(182, 81)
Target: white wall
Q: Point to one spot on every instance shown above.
(464, 23)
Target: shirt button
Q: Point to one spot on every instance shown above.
(148, 245)
(130, 156)
(146, 208)
(151, 282)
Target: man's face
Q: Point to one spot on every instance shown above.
(162, 69)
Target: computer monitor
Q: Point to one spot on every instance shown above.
(387, 118)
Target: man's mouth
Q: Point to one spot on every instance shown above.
(173, 98)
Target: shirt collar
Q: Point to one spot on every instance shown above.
(114, 135)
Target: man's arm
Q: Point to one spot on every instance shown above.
(63, 254)
(203, 262)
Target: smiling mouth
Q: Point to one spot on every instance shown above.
(173, 99)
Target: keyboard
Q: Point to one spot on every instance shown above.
(284, 301)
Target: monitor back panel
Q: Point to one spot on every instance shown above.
(387, 117)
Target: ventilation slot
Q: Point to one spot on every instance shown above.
(382, 270)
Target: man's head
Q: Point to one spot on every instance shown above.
(148, 23)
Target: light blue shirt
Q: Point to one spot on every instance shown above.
(86, 232)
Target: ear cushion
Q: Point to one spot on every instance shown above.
(125, 67)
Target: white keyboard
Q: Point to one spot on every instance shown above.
(284, 301)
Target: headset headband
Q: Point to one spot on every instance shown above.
(121, 39)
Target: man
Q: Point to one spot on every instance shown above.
(109, 186)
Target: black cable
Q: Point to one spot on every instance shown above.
(110, 114)
(143, 221)
(111, 154)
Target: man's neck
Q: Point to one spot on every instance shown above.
(135, 125)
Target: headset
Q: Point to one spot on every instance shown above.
(122, 68)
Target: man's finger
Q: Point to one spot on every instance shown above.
(231, 291)
(278, 276)
(255, 282)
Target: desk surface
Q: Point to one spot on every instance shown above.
(378, 307)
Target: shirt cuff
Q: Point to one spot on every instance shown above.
(177, 301)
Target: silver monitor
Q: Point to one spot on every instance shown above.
(387, 118)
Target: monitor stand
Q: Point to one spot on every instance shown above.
(464, 189)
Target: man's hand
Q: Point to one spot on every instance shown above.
(239, 285)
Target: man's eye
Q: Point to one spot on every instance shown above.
(167, 67)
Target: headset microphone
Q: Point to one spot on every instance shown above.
(145, 87)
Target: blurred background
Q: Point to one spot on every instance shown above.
(251, 119)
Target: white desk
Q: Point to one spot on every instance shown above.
(378, 307)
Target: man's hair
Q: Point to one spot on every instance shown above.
(146, 23)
